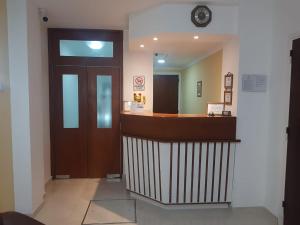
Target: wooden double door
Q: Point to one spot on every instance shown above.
(85, 121)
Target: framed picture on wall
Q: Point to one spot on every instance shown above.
(199, 89)
(228, 97)
(228, 81)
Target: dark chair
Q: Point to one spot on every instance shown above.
(14, 218)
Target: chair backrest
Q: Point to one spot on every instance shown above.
(14, 218)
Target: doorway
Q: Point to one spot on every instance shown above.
(85, 102)
(292, 185)
(165, 94)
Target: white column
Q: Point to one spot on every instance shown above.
(27, 150)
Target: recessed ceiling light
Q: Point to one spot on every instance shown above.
(142, 46)
(161, 61)
(155, 38)
(196, 37)
(96, 45)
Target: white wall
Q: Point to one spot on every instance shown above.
(286, 28)
(38, 101)
(18, 55)
(231, 57)
(176, 18)
(27, 104)
(255, 30)
(137, 63)
(255, 57)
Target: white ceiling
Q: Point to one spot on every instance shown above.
(114, 14)
(181, 50)
(105, 14)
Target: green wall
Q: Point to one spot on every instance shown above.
(209, 71)
(6, 169)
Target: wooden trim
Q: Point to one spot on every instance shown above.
(128, 163)
(220, 171)
(199, 170)
(178, 171)
(185, 171)
(206, 172)
(171, 172)
(183, 129)
(148, 159)
(227, 171)
(163, 140)
(213, 173)
(133, 173)
(138, 163)
(142, 142)
(192, 176)
(159, 168)
(154, 174)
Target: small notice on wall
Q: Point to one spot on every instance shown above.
(254, 83)
(138, 83)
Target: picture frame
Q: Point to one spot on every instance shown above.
(199, 89)
(228, 82)
(215, 108)
(228, 97)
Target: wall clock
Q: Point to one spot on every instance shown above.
(201, 16)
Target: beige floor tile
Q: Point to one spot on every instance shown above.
(111, 212)
(66, 203)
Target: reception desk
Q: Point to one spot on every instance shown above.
(179, 159)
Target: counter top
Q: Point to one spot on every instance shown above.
(163, 115)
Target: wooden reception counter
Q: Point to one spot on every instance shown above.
(179, 159)
(179, 127)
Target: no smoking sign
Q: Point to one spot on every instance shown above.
(138, 83)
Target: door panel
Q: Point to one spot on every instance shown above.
(292, 194)
(69, 120)
(104, 121)
(165, 94)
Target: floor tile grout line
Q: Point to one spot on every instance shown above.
(131, 222)
(86, 212)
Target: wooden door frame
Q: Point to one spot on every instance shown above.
(54, 60)
(287, 178)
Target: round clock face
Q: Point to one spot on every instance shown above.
(201, 16)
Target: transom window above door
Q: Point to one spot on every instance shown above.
(83, 48)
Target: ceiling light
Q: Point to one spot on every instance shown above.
(96, 45)
(155, 38)
(161, 61)
(142, 46)
(196, 37)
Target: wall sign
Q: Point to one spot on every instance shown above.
(228, 81)
(228, 97)
(199, 89)
(254, 83)
(215, 108)
(138, 83)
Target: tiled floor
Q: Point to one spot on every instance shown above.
(67, 202)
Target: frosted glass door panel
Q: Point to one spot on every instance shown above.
(77, 48)
(70, 101)
(104, 101)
